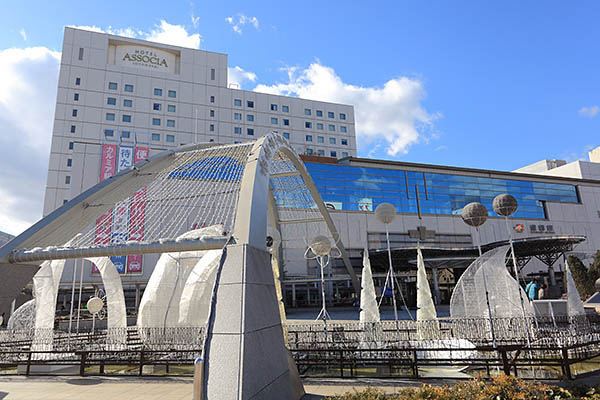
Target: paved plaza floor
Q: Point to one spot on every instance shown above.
(90, 388)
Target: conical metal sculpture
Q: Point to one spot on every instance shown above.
(369, 312)
(427, 322)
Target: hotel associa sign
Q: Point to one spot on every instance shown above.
(145, 57)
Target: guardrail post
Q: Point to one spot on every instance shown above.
(83, 356)
(565, 365)
(28, 369)
(341, 363)
(505, 364)
(141, 362)
(415, 366)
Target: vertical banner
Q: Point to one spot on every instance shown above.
(108, 163)
(125, 158)
(120, 232)
(102, 232)
(141, 153)
(137, 216)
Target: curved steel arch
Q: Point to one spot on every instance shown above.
(251, 222)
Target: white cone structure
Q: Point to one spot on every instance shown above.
(574, 303)
(427, 322)
(369, 312)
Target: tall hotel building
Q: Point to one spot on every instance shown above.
(134, 97)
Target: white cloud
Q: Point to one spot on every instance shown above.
(195, 21)
(236, 75)
(175, 35)
(27, 101)
(392, 113)
(163, 32)
(238, 21)
(589, 112)
(23, 34)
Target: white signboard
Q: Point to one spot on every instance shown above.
(365, 204)
(333, 205)
(145, 57)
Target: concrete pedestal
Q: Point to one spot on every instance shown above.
(245, 353)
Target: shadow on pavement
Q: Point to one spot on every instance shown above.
(82, 381)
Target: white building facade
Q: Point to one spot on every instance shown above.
(121, 100)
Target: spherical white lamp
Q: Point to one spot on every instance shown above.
(385, 213)
(320, 245)
(273, 239)
(94, 305)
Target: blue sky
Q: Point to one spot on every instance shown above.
(493, 85)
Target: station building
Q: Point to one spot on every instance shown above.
(121, 100)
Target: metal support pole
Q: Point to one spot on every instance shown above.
(514, 260)
(72, 299)
(487, 295)
(80, 292)
(391, 274)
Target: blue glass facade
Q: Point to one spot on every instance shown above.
(352, 188)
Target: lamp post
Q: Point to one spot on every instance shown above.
(475, 214)
(506, 205)
(321, 246)
(386, 213)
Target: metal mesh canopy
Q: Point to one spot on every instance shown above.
(162, 198)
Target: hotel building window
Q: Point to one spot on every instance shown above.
(320, 139)
(331, 128)
(237, 116)
(308, 124)
(319, 113)
(333, 154)
(172, 93)
(109, 133)
(321, 153)
(157, 106)
(343, 129)
(250, 131)
(128, 88)
(274, 121)
(125, 134)
(170, 138)
(112, 85)
(110, 116)
(212, 113)
(319, 126)
(212, 127)
(273, 107)
(111, 101)
(74, 113)
(342, 116)
(344, 154)
(250, 104)
(71, 145)
(69, 162)
(72, 128)
(77, 81)
(286, 135)
(127, 103)
(157, 92)
(156, 137)
(331, 140)
(309, 151)
(330, 114)
(212, 100)
(344, 142)
(80, 54)
(171, 108)
(307, 111)
(285, 109)
(126, 118)
(309, 138)
(156, 121)
(67, 180)
(250, 117)
(237, 102)
(237, 130)
(212, 74)
(286, 122)
(171, 123)
(76, 97)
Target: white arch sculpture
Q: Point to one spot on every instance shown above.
(239, 185)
